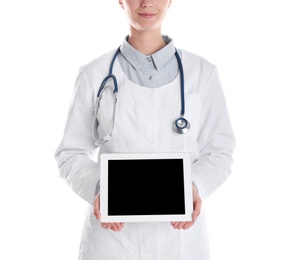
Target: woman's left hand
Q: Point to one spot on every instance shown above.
(197, 202)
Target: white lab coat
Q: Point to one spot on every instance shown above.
(143, 123)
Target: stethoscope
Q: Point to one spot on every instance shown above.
(180, 125)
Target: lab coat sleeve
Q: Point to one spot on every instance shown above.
(76, 153)
(216, 139)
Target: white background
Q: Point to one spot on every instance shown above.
(43, 44)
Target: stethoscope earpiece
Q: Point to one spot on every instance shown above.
(181, 125)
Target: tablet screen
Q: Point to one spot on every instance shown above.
(145, 187)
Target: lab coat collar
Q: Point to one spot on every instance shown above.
(137, 59)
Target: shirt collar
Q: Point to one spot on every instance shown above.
(137, 59)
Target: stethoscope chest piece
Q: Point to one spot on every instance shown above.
(181, 125)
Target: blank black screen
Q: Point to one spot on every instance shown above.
(146, 187)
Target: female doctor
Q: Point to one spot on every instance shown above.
(146, 96)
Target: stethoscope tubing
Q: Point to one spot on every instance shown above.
(111, 75)
(181, 125)
(182, 112)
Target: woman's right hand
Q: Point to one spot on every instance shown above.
(117, 226)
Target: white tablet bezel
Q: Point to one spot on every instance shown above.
(145, 218)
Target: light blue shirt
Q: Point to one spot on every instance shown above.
(151, 71)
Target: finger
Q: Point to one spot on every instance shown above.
(182, 225)
(188, 224)
(96, 207)
(106, 225)
(122, 225)
(179, 225)
(197, 209)
(174, 224)
(196, 204)
(113, 227)
(117, 226)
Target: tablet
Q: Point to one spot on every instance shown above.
(145, 187)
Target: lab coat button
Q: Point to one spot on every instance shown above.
(150, 77)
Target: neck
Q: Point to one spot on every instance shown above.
(146, 42)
